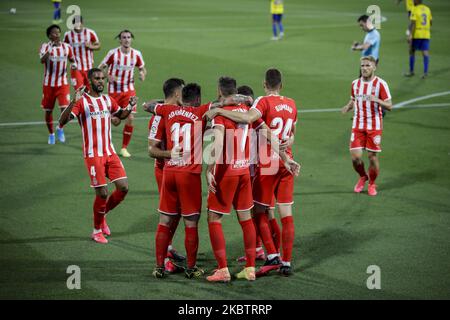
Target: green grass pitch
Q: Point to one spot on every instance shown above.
(46, 202)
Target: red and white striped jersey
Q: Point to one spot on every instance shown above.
(55, 68)
(121, 67)
(78, 40)
(368, 115)
(94, 117)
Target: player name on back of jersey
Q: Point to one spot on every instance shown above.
(282, 107)
(183, 113)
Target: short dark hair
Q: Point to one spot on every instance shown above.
(124, 31)
(49, 29)
(363, 18)
(191, 93)
(246, 91)
(79, 18)
(227, 86)
(92, 71)
(273, 78)
(170, 85)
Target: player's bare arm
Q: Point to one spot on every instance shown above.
(67, 115)
(289, 142)
(232, 101)
(292, 166)
(240, 117)
(142, 73)
(93, 46)
(155, 151)
(385, 104)
(360, 47)
(124, 113)
(411, 28)
(104, 68)
(149, 106)
(47, 53)
(216, 153)
(349, 106)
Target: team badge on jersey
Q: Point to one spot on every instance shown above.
(377, 139)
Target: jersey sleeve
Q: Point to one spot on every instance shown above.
(94, 37)
(108, 60)
(156, 128)
(413, 16)
(260, 106)
(139, 60)
(66, 37)
(200, 111)
(162, 110)
(371, 38)
(114, 106)
(76, 110)
(70, 53)
(257, 124)
(385, 94)
(218, 121)
(352, 91)
(43, 50)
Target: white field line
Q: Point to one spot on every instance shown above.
(404, 104)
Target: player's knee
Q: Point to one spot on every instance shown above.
(103, 193)
(123, 188)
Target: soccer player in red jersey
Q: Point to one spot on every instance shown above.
(181, 191)
(157, 143)
(84, 42)
(369, 96)
(276, 174)
(54, 55)
(273, 223)
(229, 184)
(94, 111)
(121, 62)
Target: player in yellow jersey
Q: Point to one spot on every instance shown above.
(277, 10)
(409, 8)
(420, 35)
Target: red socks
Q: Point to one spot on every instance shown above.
(373, 174)
(191, 245)
(127, 132)
(265, 233)
(99, 211)
(287, 234)
(359, 167)
(114, 199)
(49, 122)
(276, 233)
(218, 243)
(248, 230)
(173, 227)
(162, 239)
